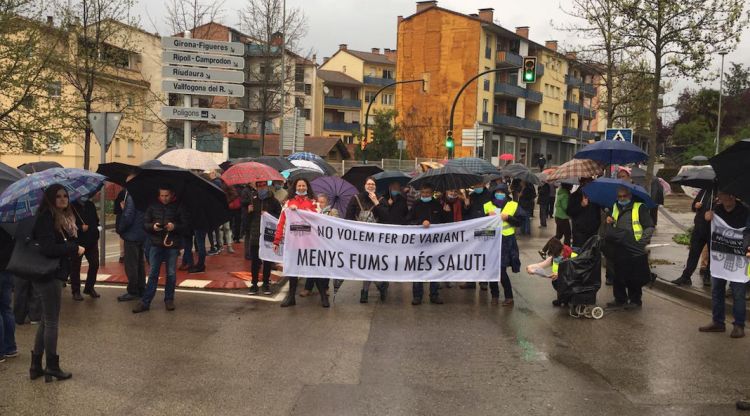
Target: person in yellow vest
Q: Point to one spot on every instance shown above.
(512, 214)
(629, 228)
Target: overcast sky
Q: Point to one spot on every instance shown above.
(366, 24)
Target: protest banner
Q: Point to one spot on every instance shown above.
(318, 245)
(267, 231)
(728, 260)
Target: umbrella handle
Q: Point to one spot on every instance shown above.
(167, 242)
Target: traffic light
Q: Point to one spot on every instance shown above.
(529, 69)
(363, 143)
(449, 144)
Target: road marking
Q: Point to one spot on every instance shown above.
(278, 298)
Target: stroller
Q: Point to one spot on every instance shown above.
(579, 279)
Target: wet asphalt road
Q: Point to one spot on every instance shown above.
(219, 355)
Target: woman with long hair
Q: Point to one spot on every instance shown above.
(300, 197)
(55, 230)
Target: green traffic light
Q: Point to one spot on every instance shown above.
(528, 76)
(449, 143)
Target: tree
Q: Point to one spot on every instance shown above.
(29, 108)
(184, 15)
(263, 21)
(99, 49)
(679, 39)
(384, 130)
(737, 80)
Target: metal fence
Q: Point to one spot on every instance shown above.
(404, 165)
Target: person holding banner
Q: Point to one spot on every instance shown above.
(512, 215)
(474, 208)
(363, 207)
(427, 211)
(303, 199)
(395, 208)
(724, 242)
(324, 205)
(258, 202)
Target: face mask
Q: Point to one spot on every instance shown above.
(83, 198)
(301, 193)
(500, 196)
(623, 202)
(263, 193)
(478, 190)
(395, 193)
(426, 198)
(451, 197)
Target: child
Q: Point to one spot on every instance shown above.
(554, 252)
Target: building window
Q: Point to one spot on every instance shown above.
(299, 87)
(131, 100)
(131, 148)
(487, 47)
(54, 89)
(117, 147)
(369, 96)
(386, 99)
(299, 74)
(54, 143)
(28, 144)
(486, 85)
(305, 112)
(299, 102)
(308, 89)
(388, 73)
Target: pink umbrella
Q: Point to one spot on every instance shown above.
(507, 156)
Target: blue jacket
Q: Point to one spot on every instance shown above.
(130, 226)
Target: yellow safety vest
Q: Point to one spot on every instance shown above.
(556, 265)
(635, 216)
(510, 208)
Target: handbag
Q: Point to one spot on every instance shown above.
(27, 260)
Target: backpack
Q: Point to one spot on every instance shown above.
(364, 215)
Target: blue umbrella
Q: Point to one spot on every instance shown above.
(304, 156)
(22, 199)
(603, 192)
(384, 179)
(610, 152)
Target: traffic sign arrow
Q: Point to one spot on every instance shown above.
(203, 45)
(202, 114)
(202, 74)
(203, 60)
(203, 88)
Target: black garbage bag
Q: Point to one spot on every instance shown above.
(580, 278)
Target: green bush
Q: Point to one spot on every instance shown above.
(683, 238)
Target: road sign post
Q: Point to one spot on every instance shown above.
(104, 126)
(623, 135)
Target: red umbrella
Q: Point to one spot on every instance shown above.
(250, 172)
(507, 156)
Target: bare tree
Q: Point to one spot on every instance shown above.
(263, 21)
(184, 15)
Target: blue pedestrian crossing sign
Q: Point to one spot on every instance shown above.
(623, 135)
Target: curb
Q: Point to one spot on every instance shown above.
(689, 294)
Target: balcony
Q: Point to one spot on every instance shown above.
(517, 122)
(587, 113)
(342, 102)
(503, 88)
(539, 70)
(571, 106)
(380, 82)
(341, 126)
(573, 81)
(534, 96)
(576, 133)
(507, 59)
(588, 89)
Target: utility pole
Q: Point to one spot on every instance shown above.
(721, 92)
(187, 101)
(283, 77)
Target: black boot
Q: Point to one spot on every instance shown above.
(383, 289)
(363, 296)
(321, 284)
(290, 300)
(53, 369)
(36, 370)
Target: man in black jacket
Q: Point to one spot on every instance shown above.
(698, 240)
(584, 214)
(427, 211)
(543, 201)
(395, 209)
(164, 221)
(254, 202)
(87, 222)
(474, 208)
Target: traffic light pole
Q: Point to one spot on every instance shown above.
(455, 101)
(367, 113)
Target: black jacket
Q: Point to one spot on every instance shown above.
(163, 214)
(736, 218)
(526, 200)
(476, 204)
(86, 214)
(6, 248)
(586, 220)
(252, 219)
(428, 211)
(392, 214)
(354, 207)
(54, 244)
(543, 197)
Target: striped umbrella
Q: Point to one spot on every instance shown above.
(304, 156)
(22, 198)
(473, 165)
(189, 159)
(250, 172)
(576, 168)
(306, 164)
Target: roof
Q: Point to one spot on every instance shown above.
(370, 57)
(339, 78)
(320, 146)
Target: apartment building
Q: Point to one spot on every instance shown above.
(552, 116)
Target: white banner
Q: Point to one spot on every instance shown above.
(267, 232)
(318, 245)
(728, 260)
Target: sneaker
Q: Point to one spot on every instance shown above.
(197, 269)
(542, 254)
(140, 307)
(738, 332)
(2, 358)
(266, 290)
(13, 354)
(682, 282)
(213, 252)
(169, 304)
(126, 297)
(253, 290)
(713, 327)
(230, 249)
(35, 322)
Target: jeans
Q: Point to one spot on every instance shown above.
(200, 248)
(92, 256)
(7, 320)
(718, 291)
(255, 263)
(526, 226)
(26, 302)
(49, 292)
(417, 289)
(161, 255)
(135, 270)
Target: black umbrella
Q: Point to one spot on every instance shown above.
(205, 202)
(357, 175)
(8, 175)
(116, 172)
(34, 167)
(447, 178)
(703, 178)
(301, 173)
(276, 162)
(489, 177)
(384, 179)
(514, 169)
(732, 173)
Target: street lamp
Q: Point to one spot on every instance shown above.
(721, 92)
